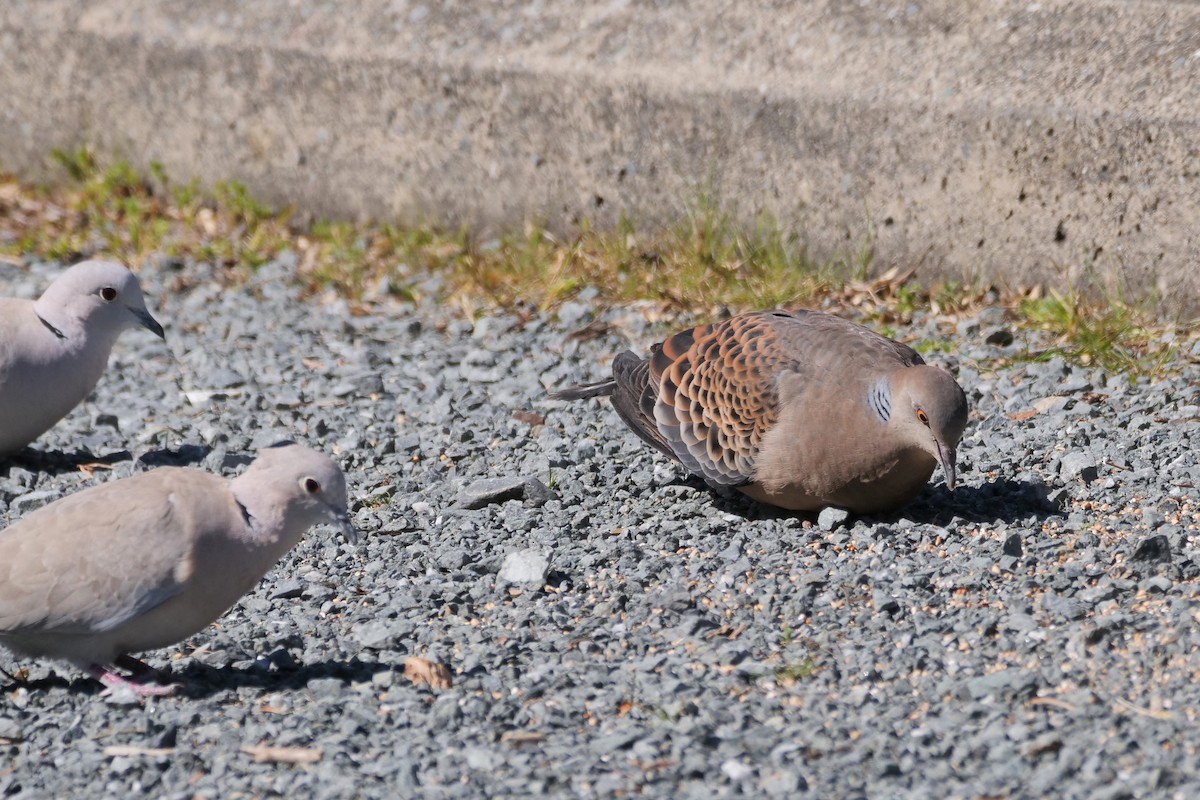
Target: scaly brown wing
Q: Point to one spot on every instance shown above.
(719, 386)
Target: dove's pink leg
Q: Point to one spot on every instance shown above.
(112, 680)
(141, 671)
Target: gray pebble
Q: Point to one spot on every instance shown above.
(1078, 465)
(377, 635)
(488, 491)
(31, 501)
(1153, 548)
(831, 518)
(525, 566)
(10, 729)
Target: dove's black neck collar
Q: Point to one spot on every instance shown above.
(250, 521)
(50, 327)
(256, 527)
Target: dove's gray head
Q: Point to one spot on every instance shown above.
(303, 486)
(100, 297)
(929, 410)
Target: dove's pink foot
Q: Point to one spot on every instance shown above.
(112, 680)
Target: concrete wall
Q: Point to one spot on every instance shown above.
(984, 139)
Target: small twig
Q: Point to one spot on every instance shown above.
(283, 755)
(115, 750)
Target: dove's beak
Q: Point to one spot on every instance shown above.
(949, 458)
(341, 520)
(148, 322)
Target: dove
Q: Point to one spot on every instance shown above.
(147, 561)
(53, 350)
(798, 410)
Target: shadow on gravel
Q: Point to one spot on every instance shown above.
(198, 681)
(57, 462)
(185, 456)
(1002, 500)
(999, 501)
(51, 681)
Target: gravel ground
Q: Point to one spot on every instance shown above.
(613, 627)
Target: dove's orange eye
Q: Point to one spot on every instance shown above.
(311, 486)
(921, 415)
(108, 293)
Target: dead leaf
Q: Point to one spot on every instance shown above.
(283, 755)
(727, 631)
(528, 417)
(89, 469)
(207, 221)
(422, 670)
(522, 737)
(1021, 416)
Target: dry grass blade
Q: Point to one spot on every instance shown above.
(1121, 705)
(593, 330)
(21, 675)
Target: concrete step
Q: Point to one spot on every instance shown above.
(988, 140)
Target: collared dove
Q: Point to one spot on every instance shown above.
(53, 350)
(147, 561)
(800, 410)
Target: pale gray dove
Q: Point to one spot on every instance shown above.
(800, 410)
(147, 561)
(53, 350)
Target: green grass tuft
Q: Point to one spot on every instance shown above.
(708, 260)
(1113, 335)
(793, 672)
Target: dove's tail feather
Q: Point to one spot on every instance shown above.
(585, 390)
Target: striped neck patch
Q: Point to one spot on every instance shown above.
(880, 399)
